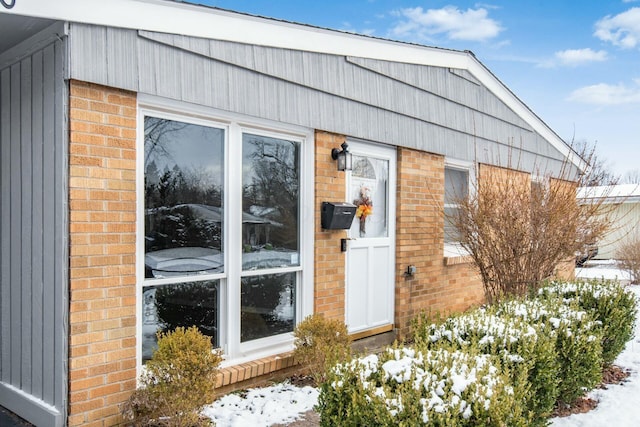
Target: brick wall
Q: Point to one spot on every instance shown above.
(437, 286)
(102, 363)
(329, 296)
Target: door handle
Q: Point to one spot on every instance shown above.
(343, 243)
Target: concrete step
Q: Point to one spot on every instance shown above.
(373, 344)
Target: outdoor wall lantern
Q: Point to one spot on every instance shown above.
(344, 157)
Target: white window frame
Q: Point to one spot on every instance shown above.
(453, 249)
(229, 317)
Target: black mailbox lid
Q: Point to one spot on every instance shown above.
(337, 215)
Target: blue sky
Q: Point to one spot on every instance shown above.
(576, 64)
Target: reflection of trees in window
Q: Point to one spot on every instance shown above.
(267, 305)
(157, 134)
(183, 170)
(186, 305)
(271, 190)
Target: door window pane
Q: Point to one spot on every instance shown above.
(270, 202)
(166, 307)
(183, 186)
(369, 191)
(268, 305)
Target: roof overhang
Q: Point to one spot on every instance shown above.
(167, 16)
(610, 194)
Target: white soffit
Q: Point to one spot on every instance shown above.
(171, 17)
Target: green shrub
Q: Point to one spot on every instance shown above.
(527, 353)
(550, 338)
(321, 343)
(609, 303)
(178, 381)
(404, 387)
(577, 341)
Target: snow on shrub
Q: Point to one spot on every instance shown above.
(550, 342)
(577, 340)
(527, 353)
(610, 303)
(417, 388)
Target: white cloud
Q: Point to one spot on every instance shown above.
(606, 95)
(574, 57)
(348, 28)
(472, 24)
(621, 30)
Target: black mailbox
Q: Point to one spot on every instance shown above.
(337, 216)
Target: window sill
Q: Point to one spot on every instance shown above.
(455, 254)
(256, 371)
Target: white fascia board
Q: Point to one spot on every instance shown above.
(200, 21)
(171, 17)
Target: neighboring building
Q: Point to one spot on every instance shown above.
(164, 164)
(621, 203)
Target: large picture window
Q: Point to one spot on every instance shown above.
(222, 239)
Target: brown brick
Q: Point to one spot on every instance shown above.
(104, 390)
(102, 349)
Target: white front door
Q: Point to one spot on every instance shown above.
(371, 186)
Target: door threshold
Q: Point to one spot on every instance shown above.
(371, 332)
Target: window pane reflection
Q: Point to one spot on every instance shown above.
(268, 305)
(167, 307)
(270, 196)
(456, 186)
(183, 198)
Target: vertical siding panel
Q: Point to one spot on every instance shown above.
(122, 61)
(25, 256)
(59, 108)
(5, 230)
(49, 247)
(148, 78)
(16, 227)
(33, 232)
(37, 228)
(88, 46)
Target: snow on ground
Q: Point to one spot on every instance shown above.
(284, 403)
(277, 404)
(599, 269)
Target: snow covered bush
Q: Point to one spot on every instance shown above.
(321, 343)
(418, 388)
(551, 343)
(577, 338)
(527, 352)
(178, 381)
(610, 303)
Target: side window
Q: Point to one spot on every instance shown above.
(456, 186)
